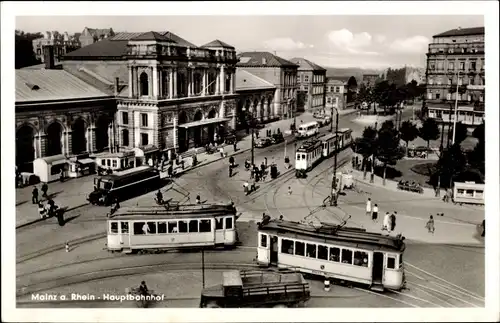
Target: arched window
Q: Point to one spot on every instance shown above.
(227, 83)
(144, 84)
(125, 138)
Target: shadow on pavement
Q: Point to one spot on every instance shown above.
(21, 203)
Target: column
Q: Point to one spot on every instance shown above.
(42, 139)
(69, 142)
(266, 109)
(217, 83)
(233, 82)
(222, 79)
(258, 114)
(136, 81)
(150, 82)
(155, 81)
(161, 76)
(190, 81)
(204, 84)
(171, 84)
(175, 82)
(130, 82)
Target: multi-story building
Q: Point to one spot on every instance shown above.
(336, 92)
(92, 35)
(61, 44)
(311, 84)
(370, 79)
(404, 75)
(279, 72)
(455, 61)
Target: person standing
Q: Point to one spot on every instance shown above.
(230, 171)
(265, 161)
(393, 220)
(221, 151)
(234, 145)
(369, 207)
(375, 213)
(289, 190)
(430, 225)
(198, 199)
(387, 222)
(61, 175)
(34, 195)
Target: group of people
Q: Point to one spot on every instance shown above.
(389, 222)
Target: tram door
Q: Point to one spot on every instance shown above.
(220, 233)
(124, 234)
(378, 267)
(274, 249)
(263, 250)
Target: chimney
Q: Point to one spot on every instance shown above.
(48, 57)
(117, 85)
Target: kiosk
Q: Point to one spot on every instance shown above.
(48, 169)
(80, 167)
(146, 155)
(115, 161)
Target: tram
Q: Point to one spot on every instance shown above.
(311, 152)
(342, 254)
(156, 228)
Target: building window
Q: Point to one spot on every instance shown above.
(337, 89)
(438, 95)
(227, 84)
(448, 96)
(471, 81)
(460, 80)
(144, 84)
(450, 81)
(144, 139)
(432, 66)
(125, 135)
(144, 119)
(431, 81)
(306, 78)
(440, 66)
(124, 117)
(473, 66)
(451, 66)
(462, 66)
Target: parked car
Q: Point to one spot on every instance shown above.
(276, 138)
(262, 142)
(327, 120)
(230, 139)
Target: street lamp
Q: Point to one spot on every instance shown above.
(250, 118)
(333, 199)
(456, 109)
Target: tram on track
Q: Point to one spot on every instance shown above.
(311, 152)
(157, 228)
(331, 251)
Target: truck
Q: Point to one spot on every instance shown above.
(258, 288)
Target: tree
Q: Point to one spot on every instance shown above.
(366, 145)
(352, 87)
(461, 132)
(451, 163)
(409, 132)
(388, 149)
(24, 55)
(429, 130)
(364, 95)
(477, 156)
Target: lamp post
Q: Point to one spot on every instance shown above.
(333, 199)
(456, 109)
(250, 124)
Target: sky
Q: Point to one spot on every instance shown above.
(330, 41)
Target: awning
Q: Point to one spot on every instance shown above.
(203, 122)
(85, 161)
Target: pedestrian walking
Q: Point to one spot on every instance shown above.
(198, 199)
(387, 222)
(393, 220)
(42, 211)
(34, 195)
(234, 145)
(61, 175)
(252, 172)
(262, 167)
(221, 151)
(375, 213)
(430, 225)
(230, 171)
(289, 190)
(246, 188)
(44, 189)
(231, 161)
(369, 207)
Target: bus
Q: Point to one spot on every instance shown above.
(120, 185)
(333, 252)
(308, 129)
(150, 229)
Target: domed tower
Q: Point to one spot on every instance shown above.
(225, 55)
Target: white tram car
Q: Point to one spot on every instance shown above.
(313, 151)
(158, 228)
(346, 254)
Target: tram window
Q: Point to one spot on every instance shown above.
(229, 223)
(311, 250)
(335, 254)
(391, 262)
(193, 226)
(346, 256)
(299, 248)
(360, 258)
(263, 240)
(218, 224)
(287, 246)
(124, 227)
(183, 226)
(152, 227)
(205, 226)
(138, 227)
(172, 227)
(322, 252)
(114, 227)
(162, 227)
